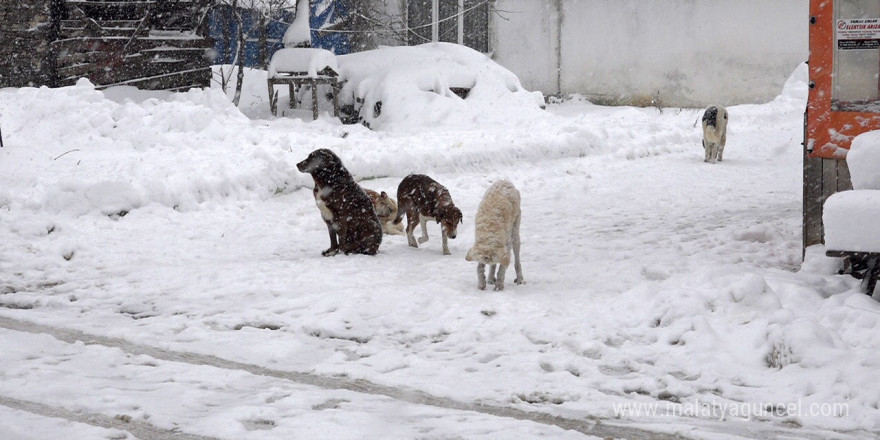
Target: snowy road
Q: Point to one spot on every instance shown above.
(390, 405)
(162, 279)
(164, 377)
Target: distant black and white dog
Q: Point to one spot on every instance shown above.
(714, 132)
(344, 206)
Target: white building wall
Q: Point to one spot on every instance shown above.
(687, 52)
(525, 39)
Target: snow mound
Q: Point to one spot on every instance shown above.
(797, 85)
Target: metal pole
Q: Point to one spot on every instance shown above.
(435, 21)
(460, 22)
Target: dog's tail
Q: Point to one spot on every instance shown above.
(402, 207)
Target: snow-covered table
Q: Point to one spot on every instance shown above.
(296, 67)
(852, 218)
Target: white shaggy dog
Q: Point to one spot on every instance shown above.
(496, 234)
(714, 132)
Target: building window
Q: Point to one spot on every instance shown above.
(465, 22)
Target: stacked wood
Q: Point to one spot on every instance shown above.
(150, 44)
(24, 46)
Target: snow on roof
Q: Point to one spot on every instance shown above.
(863, 160)
(411, 86)
(850, 219)
(302, 59)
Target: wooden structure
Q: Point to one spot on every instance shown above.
(303, 66)
(295, 80)
(844, 102)
(844, 98)
(150, 44)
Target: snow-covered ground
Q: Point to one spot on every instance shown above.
(160, 275)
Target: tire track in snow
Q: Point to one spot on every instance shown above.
(136, 428)
(591, 427)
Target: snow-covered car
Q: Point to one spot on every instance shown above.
(430, 84)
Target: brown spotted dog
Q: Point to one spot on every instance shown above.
(344, 206)
(386, 209)
(421, 198)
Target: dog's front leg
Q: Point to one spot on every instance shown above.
(491, 279)
(411, 222)
(499, 279)
(424, 222)
(334, 245)
(445, 243)
(481, 276)
(516, 264)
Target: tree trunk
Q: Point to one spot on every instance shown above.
(240, 60)
(227, 33)
(263, 51)
(57, 12)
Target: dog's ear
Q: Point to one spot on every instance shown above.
(383, 195)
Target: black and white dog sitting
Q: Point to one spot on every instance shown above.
(714, 132)
(345, 207)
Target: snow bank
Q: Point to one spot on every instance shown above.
(304, 59)
(113, 151)
(396, 88)
(86, 153)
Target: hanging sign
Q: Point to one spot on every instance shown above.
(858, 33)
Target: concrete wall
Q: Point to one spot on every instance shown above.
(688, 52)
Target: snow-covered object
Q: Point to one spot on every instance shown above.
(299, 34)
(852, 218)
(302, 59)
(863, 161)
(852, 221)
(412, 86)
